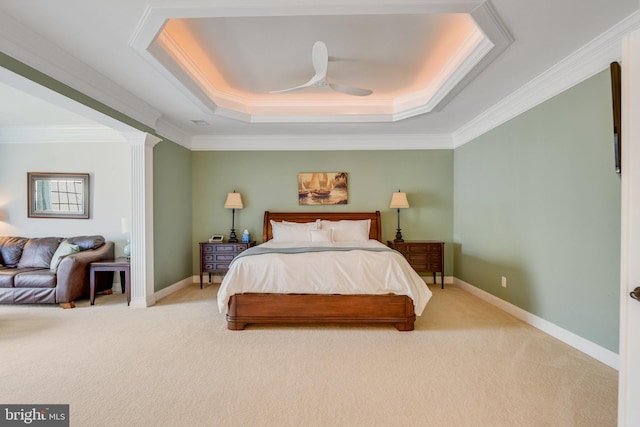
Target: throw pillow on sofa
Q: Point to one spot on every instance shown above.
(37, 252)
(87, 242)
(11, 250)
(63, 250)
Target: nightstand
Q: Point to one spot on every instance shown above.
(423, 255)
(216, 257)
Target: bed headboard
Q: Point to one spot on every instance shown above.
(374, 233)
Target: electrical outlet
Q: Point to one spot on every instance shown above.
(504, 282)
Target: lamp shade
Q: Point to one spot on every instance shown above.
(399, 200)
(234, 201)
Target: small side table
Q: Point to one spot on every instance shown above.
(123, 265)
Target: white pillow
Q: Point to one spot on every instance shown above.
(325, 235)
(316, 223)
(348, 230)
(292, 231)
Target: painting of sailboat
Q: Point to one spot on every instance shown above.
(323, 188)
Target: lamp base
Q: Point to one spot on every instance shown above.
(232, 236)
(398, 236)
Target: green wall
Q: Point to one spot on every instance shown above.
(171, 214)
(537, 201)
(268, 181)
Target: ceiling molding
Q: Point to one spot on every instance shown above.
(154, 42)
(487, 18)
(47, 95)
(28, 47)
(589, 60)
(173, 133)
(60, 134)
(39, 53)
(448, 81)
(320, 142)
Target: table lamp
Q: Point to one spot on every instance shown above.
(399, 201)
(233, 202)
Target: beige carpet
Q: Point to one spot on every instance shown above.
(175, 364)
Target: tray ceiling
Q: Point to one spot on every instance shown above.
(412, 62)
(201, 72)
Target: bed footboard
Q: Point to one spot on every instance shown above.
(310, 308)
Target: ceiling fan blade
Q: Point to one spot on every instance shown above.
(320, 60)
(307, 84)
(350, 90)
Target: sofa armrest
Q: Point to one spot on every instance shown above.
(72, 276)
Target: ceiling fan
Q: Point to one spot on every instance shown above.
(320, 60)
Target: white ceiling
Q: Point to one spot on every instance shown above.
(441, 71)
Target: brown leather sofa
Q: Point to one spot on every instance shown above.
(51, 269)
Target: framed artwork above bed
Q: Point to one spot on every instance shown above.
(323, 188)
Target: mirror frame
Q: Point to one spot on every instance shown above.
(33, 212)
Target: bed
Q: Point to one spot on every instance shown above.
(267, 287)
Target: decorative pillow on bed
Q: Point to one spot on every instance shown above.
(316, 222)
(323, 235)
(292, 231)
(348, 230)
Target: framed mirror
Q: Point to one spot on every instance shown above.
(58, 195)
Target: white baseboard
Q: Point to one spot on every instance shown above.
(164, 292)
(428, 278)
(215, 278)
(599, 353)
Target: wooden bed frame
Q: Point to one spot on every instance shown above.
(311, 308)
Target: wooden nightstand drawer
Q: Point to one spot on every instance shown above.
(226, 247)
(216, 257)
(416, 249)
(224, 257)
(416, 258)
(423, 256)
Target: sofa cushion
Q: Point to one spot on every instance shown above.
(6, 277)
(37, 252)
(34, 295)
(87, 242)
(63, 250)
(35, 279)
(6, 296)
(11, 250)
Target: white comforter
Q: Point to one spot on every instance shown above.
(332, 272)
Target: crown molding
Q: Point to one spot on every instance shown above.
(60, 134)
(30, 48)
(173, 133)
(587, 61)
(320, 142)
(157, 44)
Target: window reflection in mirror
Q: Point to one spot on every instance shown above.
(58, 195)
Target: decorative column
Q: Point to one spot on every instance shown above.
(142, 261)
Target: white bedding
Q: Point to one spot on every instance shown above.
(333, 272)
